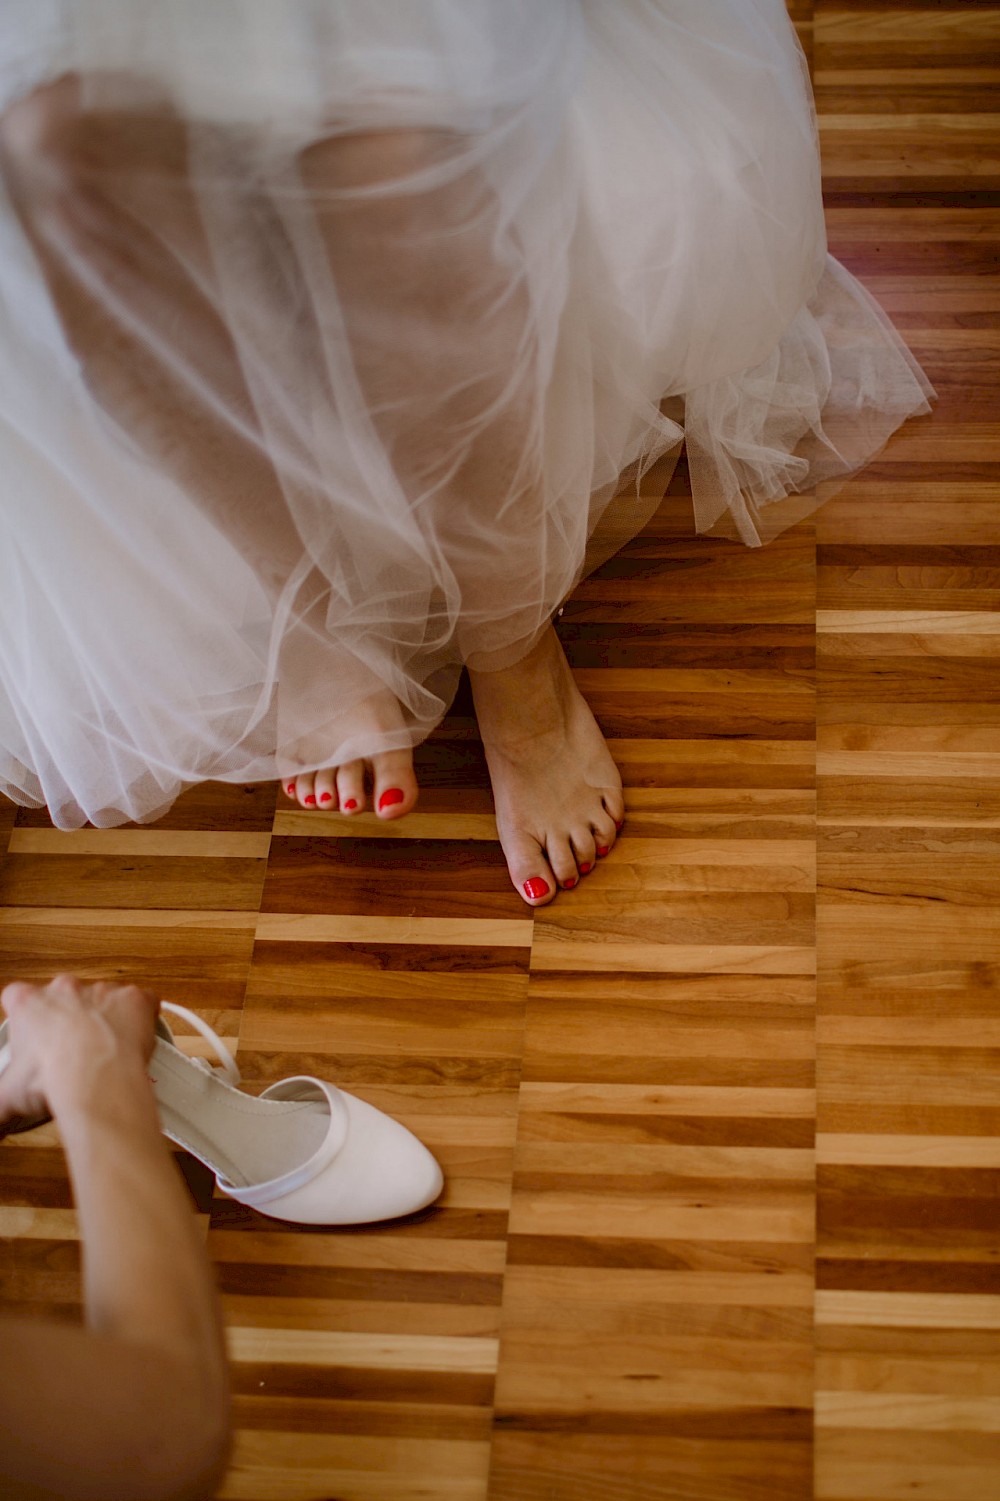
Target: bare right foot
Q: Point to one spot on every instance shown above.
(344, 788)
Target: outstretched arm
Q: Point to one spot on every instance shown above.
(134, 1407)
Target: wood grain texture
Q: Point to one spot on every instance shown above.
(908, 763)
(693, 1221)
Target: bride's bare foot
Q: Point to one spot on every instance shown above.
(557, 792)
(344, 788)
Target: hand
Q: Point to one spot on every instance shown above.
(65, 1036)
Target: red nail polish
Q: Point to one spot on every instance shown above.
(390, 797)
(585, 870)
(290, 789)
(350, 805)
(620, 825)
(602, 850)
(535, 888)
(568, 885)
(326, 797)
(310, 801)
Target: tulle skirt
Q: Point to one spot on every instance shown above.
(330, 330)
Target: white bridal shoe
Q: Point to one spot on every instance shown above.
(302, 1151)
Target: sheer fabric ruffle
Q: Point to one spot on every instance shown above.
(329, 330)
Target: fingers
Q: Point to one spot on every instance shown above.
(61, 1036)
(93, 996)
(21, 1105)
(21, 1101)
(16, 994)
(40, 1014)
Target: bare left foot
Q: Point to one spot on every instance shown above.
(556, 789)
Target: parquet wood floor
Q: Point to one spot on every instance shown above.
(907, 1399)
(688, 1199)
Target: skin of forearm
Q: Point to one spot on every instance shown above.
(135, 1406)
(92, 1417)
(144, 1271)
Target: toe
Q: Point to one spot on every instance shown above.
(614, 806)
(563, 863)
(531, 873)
(585, 848)
(395, 790)
(605, 833)
(326, 789)
(351, 786)
(305, 789)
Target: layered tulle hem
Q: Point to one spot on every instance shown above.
(765, 447)
(770, 444)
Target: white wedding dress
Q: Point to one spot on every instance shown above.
(383, 302)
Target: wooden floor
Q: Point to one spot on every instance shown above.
(689, 1202)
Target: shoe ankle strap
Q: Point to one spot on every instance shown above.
(223, 1054)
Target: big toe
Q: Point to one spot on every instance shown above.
(530, 871)
(395, 783)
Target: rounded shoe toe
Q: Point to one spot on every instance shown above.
(380, 1171)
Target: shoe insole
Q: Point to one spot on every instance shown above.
(244, 1139)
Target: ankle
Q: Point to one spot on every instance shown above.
(544, 663)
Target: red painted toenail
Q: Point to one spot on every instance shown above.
(310, 801)
(350, 805)
(584, 870)
(620, 825)
(326, 797)
(390, 797)
(535, 888)
(290, 789)
(570, 883)
(602, 850)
